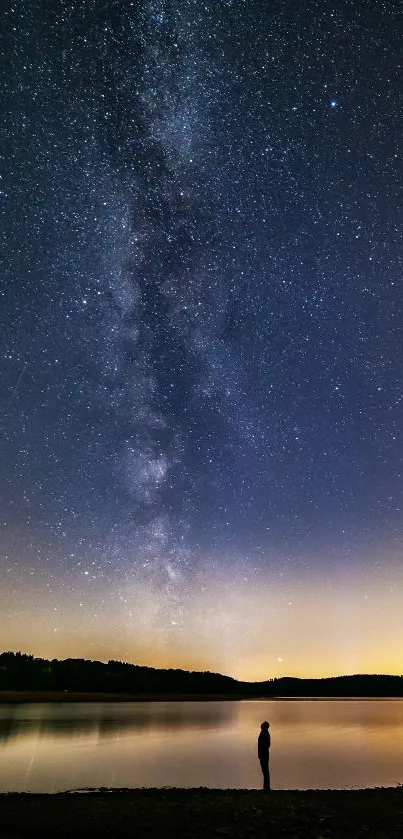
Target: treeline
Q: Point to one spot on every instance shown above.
(19, 671)
(358, 685)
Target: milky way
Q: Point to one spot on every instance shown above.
(201, 376)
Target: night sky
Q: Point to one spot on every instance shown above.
(201, 345)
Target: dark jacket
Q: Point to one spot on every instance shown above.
(263, 745)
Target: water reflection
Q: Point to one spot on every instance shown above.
(67, 720)
(320, 744)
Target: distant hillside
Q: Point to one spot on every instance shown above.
(357, 685)
(19, 671)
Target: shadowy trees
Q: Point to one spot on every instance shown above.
(19, 671)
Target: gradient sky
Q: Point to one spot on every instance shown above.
(201, 460)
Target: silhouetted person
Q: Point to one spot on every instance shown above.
(263, 746)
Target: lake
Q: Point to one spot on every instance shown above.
(50, 747)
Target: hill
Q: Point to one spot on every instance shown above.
(19, 671)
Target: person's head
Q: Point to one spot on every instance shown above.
(265, 726)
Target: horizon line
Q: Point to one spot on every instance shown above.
(211, 672)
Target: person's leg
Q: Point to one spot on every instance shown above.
(264, 764)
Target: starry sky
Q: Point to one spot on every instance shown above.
(201, 459)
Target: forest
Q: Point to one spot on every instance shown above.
(23, 672)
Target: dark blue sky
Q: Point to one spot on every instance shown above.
(201, 300)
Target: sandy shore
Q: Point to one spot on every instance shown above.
(204, 813)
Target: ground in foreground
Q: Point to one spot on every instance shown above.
(316, 814)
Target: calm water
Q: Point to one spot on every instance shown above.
(321, 744)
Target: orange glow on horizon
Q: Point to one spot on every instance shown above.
(251, 628)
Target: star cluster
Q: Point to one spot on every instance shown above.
(201, 339)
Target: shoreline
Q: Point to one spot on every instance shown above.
(201, 812)
(24, 696)
(31, 696)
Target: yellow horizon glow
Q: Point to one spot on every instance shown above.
(253, 628)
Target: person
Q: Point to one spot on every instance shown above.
(263, 746)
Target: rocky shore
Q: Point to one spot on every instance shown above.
(205, 813)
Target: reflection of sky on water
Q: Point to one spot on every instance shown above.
(345, 713)
(315, 744)
(68, 720)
